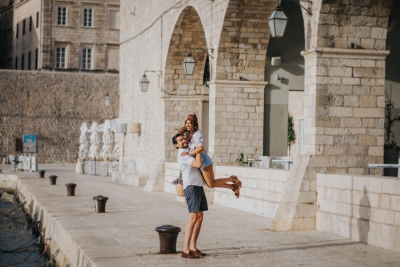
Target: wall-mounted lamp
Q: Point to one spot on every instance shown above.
(275, 61)
(144, 82)
(107, 101)
(278, 78)
(188, 62)
(278, 20)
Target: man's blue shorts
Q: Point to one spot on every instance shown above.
(195, 198)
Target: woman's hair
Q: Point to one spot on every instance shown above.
(185, 133)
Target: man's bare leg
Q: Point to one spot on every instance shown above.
(189, 231)
(196, 231)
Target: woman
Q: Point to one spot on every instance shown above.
(195, 139)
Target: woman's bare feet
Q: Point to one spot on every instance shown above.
(237, 184)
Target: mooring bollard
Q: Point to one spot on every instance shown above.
(70, 189)
(41, 174)
(100, 203)
(168, 235)
(53, 179)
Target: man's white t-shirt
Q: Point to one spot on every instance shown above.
(190, 175)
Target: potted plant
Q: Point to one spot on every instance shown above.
(240, 159)
(391, 149)
(291, 134)
(178, 182)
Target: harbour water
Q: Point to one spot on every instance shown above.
(19, 246)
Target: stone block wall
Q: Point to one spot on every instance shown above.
(344, 108)
(53, 106)
(261, 192)
(365, 209)
(236, 119)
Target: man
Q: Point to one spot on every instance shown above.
(194, 194)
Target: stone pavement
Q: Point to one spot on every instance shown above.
(125, 236)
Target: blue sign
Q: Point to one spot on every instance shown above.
(29, 143)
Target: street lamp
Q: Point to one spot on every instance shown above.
(107, 101)
(188, 64)
(144, 82)
(277, 22)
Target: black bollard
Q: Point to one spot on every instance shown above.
(41, 173)
(70, 189)
(100, 203)
(168, 235)
(53, 179)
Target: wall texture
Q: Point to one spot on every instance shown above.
(53, 106)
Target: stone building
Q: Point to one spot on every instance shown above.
(63, 60)
(51, 34)
(339, 60)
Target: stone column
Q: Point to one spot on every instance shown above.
(344, 107)
(343, 126)
(236, 119)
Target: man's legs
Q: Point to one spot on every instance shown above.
(190, 232)
(196, 231)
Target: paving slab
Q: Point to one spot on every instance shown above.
(125, 235)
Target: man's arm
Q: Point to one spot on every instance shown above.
(197, 161)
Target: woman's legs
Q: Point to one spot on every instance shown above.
(232, 182)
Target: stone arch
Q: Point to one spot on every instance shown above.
(363, 23)
(184, 92)
(244, 40)
(188, 34)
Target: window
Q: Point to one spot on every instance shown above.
(87, 17)
(16, 35)
(37, 19)
(10, 41)
(61, 15)
(23, 27)
(87, 58)
(30, 23)
(29, 60)
(300, 140)
(22, 61)
(16, 63)
(112, 57)
(36, 58)
(113, 17)
(60, 57)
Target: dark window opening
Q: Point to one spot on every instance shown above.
(36, 58)
(37, 19)
(29, 60)
(30, 23)
(16, 63)
(16, 35)
(206, 77)
(22, 61)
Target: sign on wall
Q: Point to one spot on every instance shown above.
(29, 142)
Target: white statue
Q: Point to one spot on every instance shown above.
(95, 141)
(116, 147)
(106, 151)
(83, 141)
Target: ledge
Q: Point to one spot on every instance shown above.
(236, 83)
(346, 53)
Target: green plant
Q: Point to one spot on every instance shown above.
(178, 180)
(240, 158)
(390, 119)
(291, 134)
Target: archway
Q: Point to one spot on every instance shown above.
(285, 84)
(183, 93)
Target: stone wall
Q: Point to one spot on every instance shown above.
(365, 209)
(53, 106)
